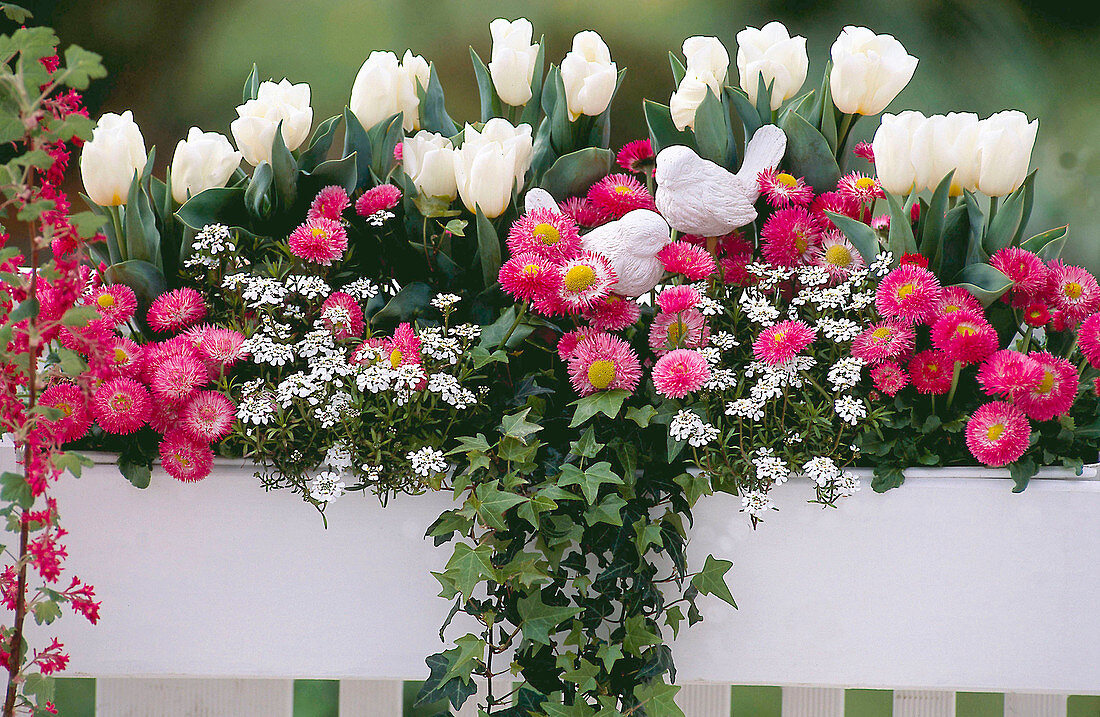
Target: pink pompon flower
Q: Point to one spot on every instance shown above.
(1009, 373)
(735, 270)
(125, 357)
(399, 151)
(931, 372)
(956, 298)
(860, 187)
(156, 353)
(329, 203)
(674, 299)
(176, 310)
(913, 259)
(780, 343)
(783, 189)
(837, 255)
(836, 203)
(74, 421)
(378, 199)
(1036, 314)
(883, 341)
(1054, 394)
(965, 336)
(545, 232)
(115, 302)
(683, 330)
(909, 294)
(529, 276)
(585, 279)
(680, 372)
(223, 347)
(584, 212)
(184, 458)
(602, 362)
(693, 262)
(881, 222)
(613, 313)
(636, 156)
(208, 416)
(1073, 290)
(790, 236)
(863, 150)
(998, 433)
(1027, 271)
(121, 406)
(177, 377)
(342, 316)
(164, 417)
(403, 347)
(321, 241)
(618, 194)
(567, 344)
(889, 377)
(1088, 339)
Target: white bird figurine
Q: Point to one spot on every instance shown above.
(631, 245)
(539, 198)
(699, 197)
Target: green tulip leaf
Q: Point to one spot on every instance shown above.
(932, 221)
(1008, 222)
(405, 305)
(983, 281)
(219, 205)
(662, 130)
(863, 237)
(319, 144)
(711, 131)
(433, 110)
(285, 169)
(808, 153)
(356, 140)
(146, 280)
(488, 249)
(251, 88)
(341, 172)
(574, 173)
(750, 119)
(490, 102)
(900, 240)
(678, 69)
(534, 105)
(384, 137)
(142, 236)
(1047, 245)
(257, 197)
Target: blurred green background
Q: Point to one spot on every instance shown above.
(180, 64)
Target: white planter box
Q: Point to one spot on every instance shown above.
(949, 582)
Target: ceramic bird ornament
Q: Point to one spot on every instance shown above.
(699, 197)
(631, 245)
(538, 198)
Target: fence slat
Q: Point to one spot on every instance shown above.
(1021, 705)
(193, 697)
(813, 702)
(371, 698)
(704, 700)
(922, 703)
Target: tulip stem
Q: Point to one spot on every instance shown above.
(847, 121)
(120, 236)
(992, 209)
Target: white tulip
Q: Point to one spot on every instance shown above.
(686, 100)
(943, 144)
(589, 75)
(773, 54)
(202, 161)
(869, 71)
(708, 60)
(1004, 145)
(490, 164)
(257, 120)
(428, 159)
(893, 148)
(111, 158)
(385, 86)
(512, 66)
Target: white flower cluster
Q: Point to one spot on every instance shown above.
(256, 405)
(445, 302)
(427, 462)
(688, 426)
(326, 487)
(746, 408)
(758, 308)
(756, 503)
(850, 409)
(845, 373)
(210, 244)
(362, 290)
(770, 468)
(840, 330)
(821, 470)
(451, 391)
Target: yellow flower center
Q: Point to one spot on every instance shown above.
(676, 333)
(1047, 384)
(865, 183)
(121, 356)
(950, 308)
(623, 189)
(601, 373)
(120, 402)
(547, 233)
(395, 357)
(105, 301)
(881, 333)
(906, 289)
(838, 255)
(966, 330)
(800, 243)
(317, 231)
(778, 336)
(65, 408)
(531, 270)
(932, 368)
(579, 278)
(786, 179)
(1074, 290)
(995, 431)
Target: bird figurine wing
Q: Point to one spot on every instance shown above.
(764, 151)
(538, 198)
(631, 245)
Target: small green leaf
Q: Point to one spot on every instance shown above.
(695, 486)
(863, 237)
(711, 579)
(79, 316)
(642, 416)
(658, 699)
(606, 402)
(137, 473)
(488, 249)
(1048, 244)
(319, 144)
(81, 67)
(608, 511)
(538, 620)
(638, 635)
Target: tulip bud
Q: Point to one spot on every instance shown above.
(111, 158)
(893, 148)
(385, 86)
(589, 75)
(946, 143)
(512, 66)
(1004, 145)
(869, 71)
(686, 100)
(257, 120)
(708, 60)
(428, 159)
(491, 163)
(202, 161)
(773, 54)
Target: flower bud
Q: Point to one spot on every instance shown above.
(589, 75)
(385, 86)
(490, 164)
(686, 100)
(708, 60)
(773, 54)
(109, 161)
(893, 148)
(1004, 145)
(202, 161)
(869, 71)
(512, 66)
(257, 120)
(428, 159)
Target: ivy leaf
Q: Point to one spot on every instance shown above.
(578, 709)
(609, 511)
(517, 426)
(491, 503)
(435, 688)
(658, 699)
(711, 580)
(469, 566)
(589, 480)
(642, 416)
(673, 617)
(464, 658)
(638, 635)
(605, 402)
(609, 653)
(695, 486)
(586, 446)
(583, 676)
(538, 619)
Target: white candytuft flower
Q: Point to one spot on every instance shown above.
(326, 487)
(427, 461)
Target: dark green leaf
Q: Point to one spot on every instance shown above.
(319, 144)
(488, 249)
(901, 240)
(490, 103)
(606, 402)
(932, 222)
(285, 169)
(984, 282)
(750, 119)
(410, 301)
(219, 205)
(356, 140)
(538, 620)
(712, 129)
(808, 153)
(258, 196)
(142, 235)
(662, 130)
(711, 579)
(572, 174)
(863, 237)
(137, 473)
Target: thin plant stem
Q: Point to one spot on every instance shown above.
(954, 383)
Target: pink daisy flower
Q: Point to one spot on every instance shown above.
(837, 256)
(223, 347)
(684, 330)
(121, 406)
(884, 341)
(735, 270)
(674, 299)
(403, 347)
(602, 362)
(1073, 290)
(545, 232)
(694, 263)
(184, 458)
(863, 150)
(889, 377)
(125, 357)
(860, 187)
(115, 302)
(1036, 314)
(618, 194)
(378, 199)
(399, 151)
(931, 372)
(1027, 271)
(175, 310)
(584, 212)
(567, 344)
(164, 417)
(194, 336)
(342, 316)
(998, 433)
(881, 222)
(329, 203)
(783, 189)
(790, 236)
(529, 276)
(74, 421)
(965, 336)
(1054, 394)
(913, 259)
(636, 156)
(585, 279)
(208, 416)
(177, 377)
(680, 372)
(780, 343)
(321, 241)
(956, 298)
(1088, 339)
(1008, 373)
(613, 313)
(909, 294)
(836, 203)
(154, 354)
